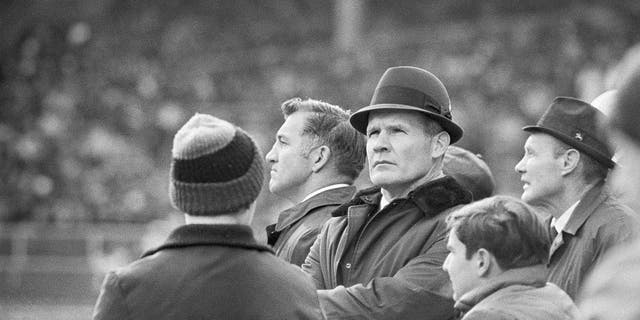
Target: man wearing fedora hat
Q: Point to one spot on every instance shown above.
(566, 161)
(380, 256)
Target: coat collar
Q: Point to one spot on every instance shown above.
(534, 276)
(431, 198)
(330, 197)
(588, 204)
(210, 235)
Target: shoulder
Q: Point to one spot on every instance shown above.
(611, 216)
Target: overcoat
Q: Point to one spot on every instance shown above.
(387, 264)
(598, 223)
(520, 293)
(298, 227)
(208, 272)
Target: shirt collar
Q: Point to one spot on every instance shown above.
(333, 186)
(561, 222)
(383, 203)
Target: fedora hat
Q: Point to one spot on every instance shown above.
(576, 123)
(410, 88)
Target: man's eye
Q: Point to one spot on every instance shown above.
(372, 132)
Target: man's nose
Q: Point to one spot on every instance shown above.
(271, 155)
(520, 166)
(381, 143)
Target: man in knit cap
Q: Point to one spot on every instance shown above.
(564, 168)
(212, 267)
(612, 291)
(314, 161)
(381, 255)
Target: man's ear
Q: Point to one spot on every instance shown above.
(484, 262)
(320, 157)
(570, 161)
(439, 144)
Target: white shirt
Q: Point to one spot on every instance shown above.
(564, 218)
(383, 203)
(330, 187)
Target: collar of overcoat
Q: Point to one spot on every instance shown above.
(431, 198)
(588, 204)
(190, 235)
(533, 276)
(332, 197)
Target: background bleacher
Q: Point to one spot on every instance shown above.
(91, 93)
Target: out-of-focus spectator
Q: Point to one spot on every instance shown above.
(566, 161)
(470, 171)
(314, 162)
(212, 267)
(498, 248)
(612, 291)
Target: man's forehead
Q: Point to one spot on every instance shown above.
(396, 117)
(540, 140)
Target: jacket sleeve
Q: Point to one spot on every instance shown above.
(420, 289)
(311, 264)
(302, 248)
(111, 303)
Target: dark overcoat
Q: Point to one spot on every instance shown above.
(208, 272)
(387, 264)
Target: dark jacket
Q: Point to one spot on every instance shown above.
(521, 293)
(598, 223)
(298, 226)
(208, 272)
(387, 264)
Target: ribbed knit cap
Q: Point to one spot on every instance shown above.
(216, 167)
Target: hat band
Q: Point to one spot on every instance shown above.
(408, 96)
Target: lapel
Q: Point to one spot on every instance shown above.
(330, 197)
(587, 205)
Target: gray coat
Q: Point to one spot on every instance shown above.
(597, 224)
(208, 272)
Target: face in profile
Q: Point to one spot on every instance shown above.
(398, 148)
(539, 169)
(462, 272)
(288, 158)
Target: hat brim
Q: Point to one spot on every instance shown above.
(360, 119)
(597, 155)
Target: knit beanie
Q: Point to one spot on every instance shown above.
(216, 167)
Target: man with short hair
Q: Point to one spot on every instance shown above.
(212, 267)
(612, 290)
(498, 249)
(314, 161)
(470, 171)
(380, 255)
(563, 170)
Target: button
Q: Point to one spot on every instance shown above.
(348, 265)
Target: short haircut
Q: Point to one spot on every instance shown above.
(504, 226)
(592, 169)
(329, 125)
(431, 126)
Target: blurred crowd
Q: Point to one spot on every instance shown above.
(92, 91)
